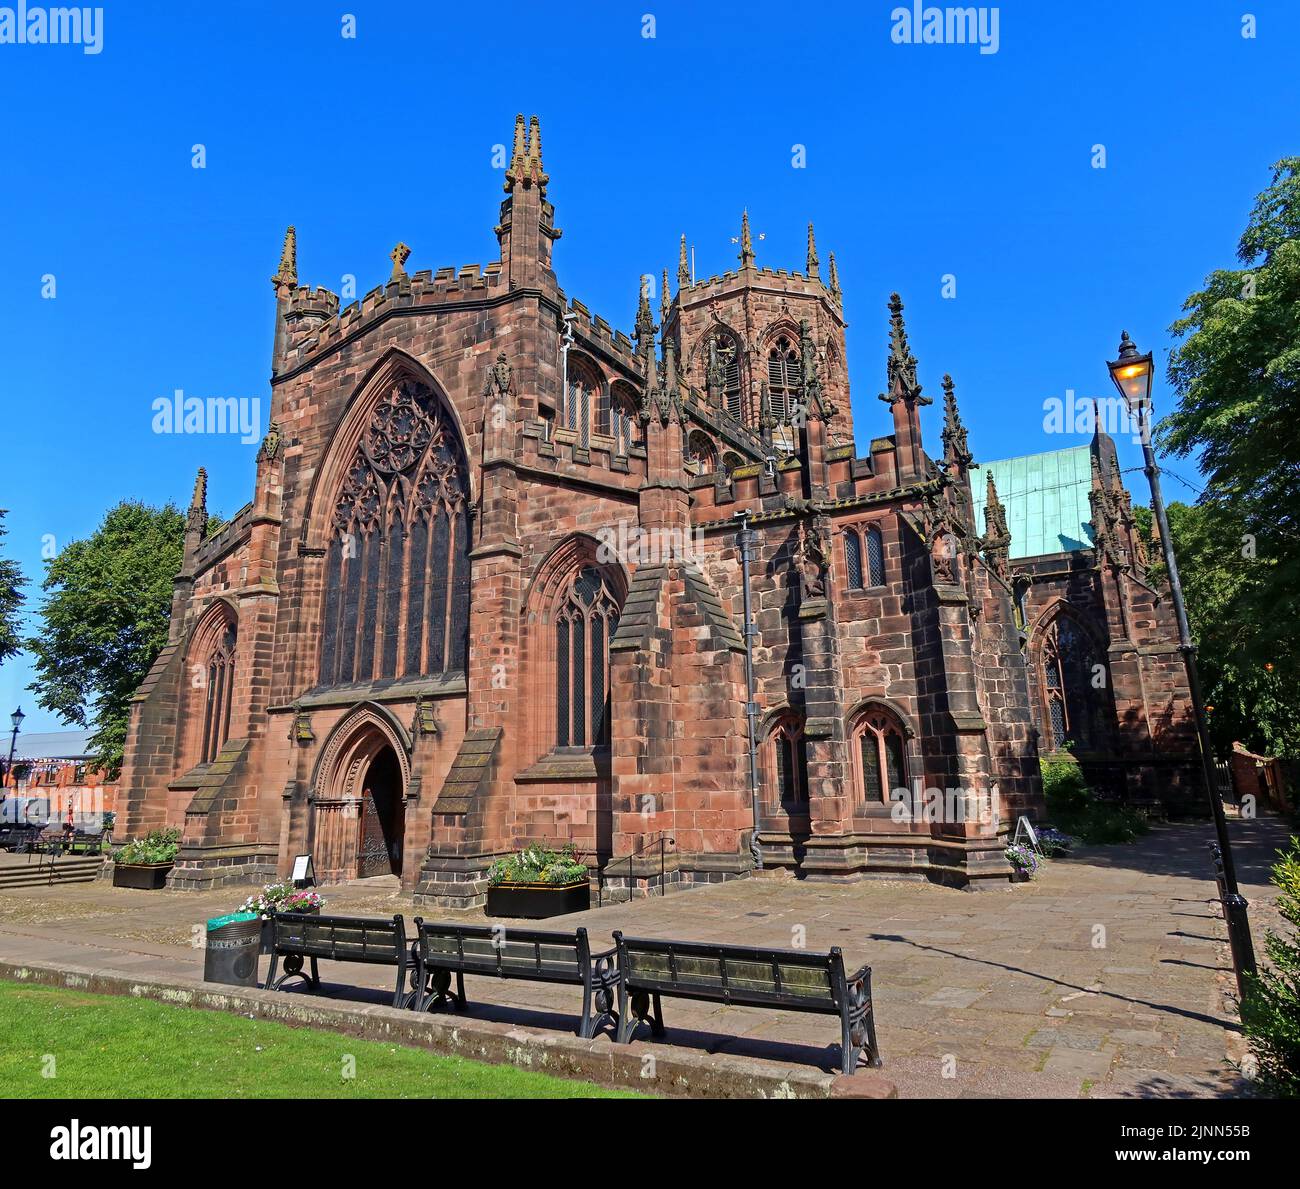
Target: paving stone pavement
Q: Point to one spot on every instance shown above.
(1108, 976)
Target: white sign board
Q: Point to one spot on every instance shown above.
(304, 874)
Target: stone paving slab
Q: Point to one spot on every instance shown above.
(1108, 976)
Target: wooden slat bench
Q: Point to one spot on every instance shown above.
(497, 951)
(793, 980)
(299, 936)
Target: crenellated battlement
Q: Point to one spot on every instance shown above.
(597, 333)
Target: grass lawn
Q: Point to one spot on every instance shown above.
(106, 1046)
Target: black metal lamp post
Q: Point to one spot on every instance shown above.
(747, 538)
(1132, 374)
(17, 719)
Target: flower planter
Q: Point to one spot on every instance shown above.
(149, 876)
(534, 901)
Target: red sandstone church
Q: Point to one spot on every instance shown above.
(490, 589)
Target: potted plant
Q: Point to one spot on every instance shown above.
(538, 882)
(280, 897)
(144, 862)
(1024, 861)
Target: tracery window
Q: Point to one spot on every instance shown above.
(881, 752)
(622, 418)
(586, 617)
(1067, 668)
(788, 759)
(397, 570)
(219, 677)
(584, 394)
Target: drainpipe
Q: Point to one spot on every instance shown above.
(748, 538)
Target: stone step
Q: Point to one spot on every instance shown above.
(29, 875)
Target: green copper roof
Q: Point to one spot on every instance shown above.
(1045, 497)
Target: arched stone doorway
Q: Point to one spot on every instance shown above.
(383, 817)
(359, 807)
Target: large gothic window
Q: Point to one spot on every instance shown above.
(1068, 665)
(211, 657)
(397, 572)
(881, 755)
(586, 617)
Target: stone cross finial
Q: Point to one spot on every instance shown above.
(399, 256)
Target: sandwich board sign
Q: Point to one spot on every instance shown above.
(304, 873)
(1025, 832)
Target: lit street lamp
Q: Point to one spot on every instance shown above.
(17, 719)
(1132, 374)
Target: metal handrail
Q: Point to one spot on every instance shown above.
(662, 843)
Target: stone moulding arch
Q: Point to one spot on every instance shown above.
(219, 612)
(575, 551)
(393, 366)
(357, 739)
(885, 704)
(1056, 608)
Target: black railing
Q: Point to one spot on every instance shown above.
(608, 871)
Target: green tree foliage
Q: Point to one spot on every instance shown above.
(1250, 702)
(1271, 1010)
(1237, 376)
(104, 618)
(11, 599)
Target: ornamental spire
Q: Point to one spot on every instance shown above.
(901, 369)
(526, 167)
(683, 268)
(645, 329)
(955, 449)
(197, 519)
(996, 541)
(288, 271)
(834, 284)
(813, 265)
(746, 242)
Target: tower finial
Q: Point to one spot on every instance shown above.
(197, 519)
(526, 157)
(746, 243)
(288, 271)
(996, 541)
(834, 284)
(645, 325)
(955, 449)
(663, 299)
(901, 368)
(683, 268)
(813, 265)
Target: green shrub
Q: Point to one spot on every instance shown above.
(1074, 808)
(1271, 1009)
(158, 846)
(539, 864)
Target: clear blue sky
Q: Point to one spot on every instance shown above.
(921, 161)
